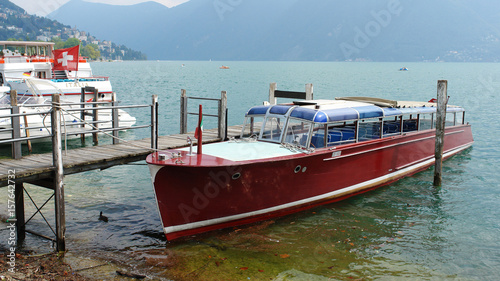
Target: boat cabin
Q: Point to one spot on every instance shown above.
(22, 59)
(325, 123)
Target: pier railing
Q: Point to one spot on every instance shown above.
(80, 126)
(221, 113)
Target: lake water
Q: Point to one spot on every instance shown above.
(407, 230)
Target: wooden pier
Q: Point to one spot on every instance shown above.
(48, 170)
(36, 167)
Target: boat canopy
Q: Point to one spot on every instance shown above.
(339, 111)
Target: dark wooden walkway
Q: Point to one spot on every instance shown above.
(40, 167)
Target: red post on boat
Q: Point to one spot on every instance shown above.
(198, 134)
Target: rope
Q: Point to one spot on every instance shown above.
(295, 147)
(252, 138)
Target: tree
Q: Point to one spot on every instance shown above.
(59, 43)
(91, 51)
(71, 42)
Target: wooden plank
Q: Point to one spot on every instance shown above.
(290, 94)
(128, 147)
(41, 160)
(20, 165)
(124, 150)
(99, 155)
(89, 154)
(175, 139)
(173, 144)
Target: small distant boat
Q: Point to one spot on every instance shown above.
(224, 67)
(403, 69)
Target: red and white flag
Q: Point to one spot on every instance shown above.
(66, 59)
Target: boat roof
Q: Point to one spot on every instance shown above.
(348, 108)
(26, 43)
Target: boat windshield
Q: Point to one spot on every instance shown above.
(22, 100)
(297, 132)
(272, 128)
(252, 126)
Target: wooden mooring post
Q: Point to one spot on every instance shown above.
(442, 100)
(221, 113)
(16, 126)
(95, 117)
(58, 173)
(183, 112)
(94, 114)
(154, 122)
(20, 226)
(115, 118)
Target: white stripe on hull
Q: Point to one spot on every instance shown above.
(323, 197)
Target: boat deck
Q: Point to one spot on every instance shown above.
(40, 167)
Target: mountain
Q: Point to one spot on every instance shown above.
(16, 24)
(324, 30)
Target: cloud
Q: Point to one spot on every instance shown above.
(168, 3)
(45, 7)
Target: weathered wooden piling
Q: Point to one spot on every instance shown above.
(20, 226)
(82, 112)
(95, 117)
(222, 115)
(58, 173)
(442, 100)
(309, 91)
(16, 126)
(154, 122)
(115, 118)
(183, 119)
(272, 90)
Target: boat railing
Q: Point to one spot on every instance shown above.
(339, 133)
(79, 79)
(83, 117)
(56, 80)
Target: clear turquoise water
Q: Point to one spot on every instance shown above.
(408, 230)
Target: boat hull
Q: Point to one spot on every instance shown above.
(197, 198)
(69, 88)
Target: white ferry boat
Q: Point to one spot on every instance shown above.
(34, 71)
(28, 67)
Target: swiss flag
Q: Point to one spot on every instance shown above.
(66, 59)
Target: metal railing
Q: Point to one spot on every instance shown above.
(20, 130)
(221, 113)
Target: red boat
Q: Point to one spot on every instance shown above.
(293, 157)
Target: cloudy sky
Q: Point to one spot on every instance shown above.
(45, 7)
